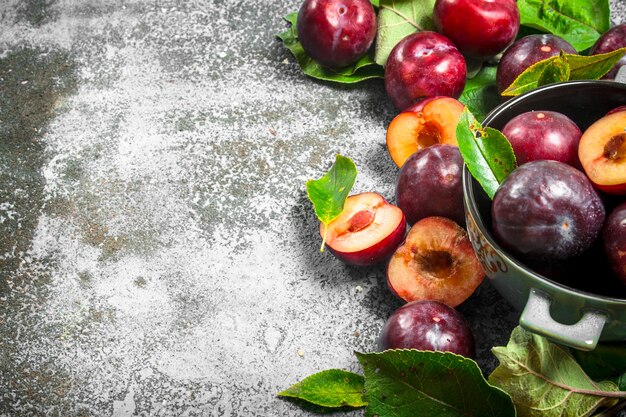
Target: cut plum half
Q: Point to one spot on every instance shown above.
(367, 232)
(436, 262)
(602, 153)
(429, 122)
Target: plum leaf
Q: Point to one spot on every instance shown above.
(486, 152)
(544, 379)
(329, 193)
(364, 69)
(398, 19)
(594, 66)
(480, 94)
(606, 361)
(559, 70)
(564, 67)
(536, 74)
(409, 382)
(333, 388)
(579, 22)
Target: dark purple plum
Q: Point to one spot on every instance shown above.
(336, 33)
(614, 240)
(525, 52)
(427, 325)
(429, 184)
(546, 211)
(479, 28)
(544, 135)
(611, 40)
(424, 64)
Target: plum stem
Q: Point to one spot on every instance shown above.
(324, 237)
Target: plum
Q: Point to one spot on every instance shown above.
(421, 65)
(430, 121)
(479, 28)
(525, 52)
(429, 184)
(611, 40)
(427, 325)
(602, 153)
(367, 231)
(336, 33)
(544, 135)
(614, 240)
(435, 262)
(546, 210)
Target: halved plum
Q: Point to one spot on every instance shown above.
(602, 153)
(436, 262)
(367, 232)
(429, 122)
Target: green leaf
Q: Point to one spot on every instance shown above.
(580, 22)
(364, 69)
(545, 380)
(557, 71)
(329, 193)
(480, 94)
(593, 67)
(408, 383)
(606, 361)
(562, 68)
(531, 77)
(488, 155)
(398, 19)
(332, 388)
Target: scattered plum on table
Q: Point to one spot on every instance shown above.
(336, 33)
(430, 184)
(527, 51)
(427, 325)
(611, 40)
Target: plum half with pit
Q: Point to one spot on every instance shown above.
(429, 122)
(427, 325)
(602, 152)
(429, 184)
(367, 232)
(544, 135)
(479, 28)
(336, 33)
(614, 240)
(611, 40)
(545, 211)
(424, 64)
(525, 52)
(435, 262)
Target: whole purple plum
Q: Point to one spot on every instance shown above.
(429, 184)
(336, 33)
(525, 52)
(427, 325)
(614, 240)
(546, 210)
(479, 28)
(544, 135)
(424, 64)
(611, 40)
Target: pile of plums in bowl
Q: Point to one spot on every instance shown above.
(553, 240)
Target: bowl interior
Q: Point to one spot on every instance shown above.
(584, 102)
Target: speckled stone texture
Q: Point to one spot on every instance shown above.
(159, 256)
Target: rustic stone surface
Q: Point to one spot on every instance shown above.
(159, 256)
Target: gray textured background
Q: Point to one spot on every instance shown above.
(159, 256)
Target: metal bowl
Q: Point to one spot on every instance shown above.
(561, 312)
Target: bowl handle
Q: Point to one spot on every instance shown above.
(583, 335)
